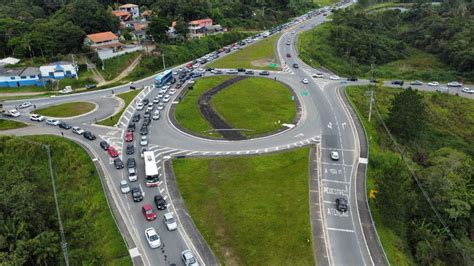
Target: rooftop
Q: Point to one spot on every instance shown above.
(128, 6)
(199, 21)
(102, 36)
(14, 72)
(120, 13)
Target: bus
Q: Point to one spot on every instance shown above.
(151, 170)
(163, 78)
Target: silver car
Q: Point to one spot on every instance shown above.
(156, 115)
(335, 155)
(124, 187)
(143, 141)
(170, 221)
(188, 258)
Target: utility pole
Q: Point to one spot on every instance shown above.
(163, 57)
(371, 91)
(75, 66)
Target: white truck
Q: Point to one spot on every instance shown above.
(10, 113)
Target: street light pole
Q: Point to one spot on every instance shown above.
(163, 57)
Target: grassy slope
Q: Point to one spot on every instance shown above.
(251, 210)
(256, 104)
(127, 97)
(317, 51)
(450, 124)
(257, 56)
(91, 233)
(114, 66)
(66, 109)
(6, 124)
(187, 112)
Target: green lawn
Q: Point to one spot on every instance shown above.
(256, 56)
(256, 104)
(251, 210)
(47, 87)
(127, 97)
(67, 109)
(114, 66)
(317, 51)
(187, 112)
(6, 124)
(91, 233)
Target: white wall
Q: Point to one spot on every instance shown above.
(109, 53)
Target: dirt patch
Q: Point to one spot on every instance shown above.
(211, 115)
(262, 62)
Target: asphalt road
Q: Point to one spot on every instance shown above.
(325, 121)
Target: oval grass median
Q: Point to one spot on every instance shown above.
(251, 210)
(66, 109)
(6, 124)
(254, 106)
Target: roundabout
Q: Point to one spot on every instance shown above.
(235, 108)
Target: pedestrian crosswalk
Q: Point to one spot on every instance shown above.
(168, 152)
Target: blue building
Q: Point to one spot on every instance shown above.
(18, 77)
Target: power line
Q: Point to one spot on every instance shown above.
(420, 186)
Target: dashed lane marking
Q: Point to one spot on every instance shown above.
(340, 230)
(134, 252)
(335, 181)
(363, 160)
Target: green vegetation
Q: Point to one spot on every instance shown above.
(241, 204)
(67, 109)
(30, 230)
(187, 112)
(257, 104)
(47, 87)
(441, 156)
(114, 66)
(403, 45)
(6, 124)
(85, 77)
(127, 97)
(257, 56)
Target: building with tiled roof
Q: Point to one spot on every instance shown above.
(130, 8)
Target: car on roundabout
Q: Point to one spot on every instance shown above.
(143, 141)
(161, 106)
(152, 238)
(305, 81)
(37, 118)
(89, 135)
(232, 71)
(24, 105)
(454, 84)
(148, 212)
(433, 83)
(52, 122)
(112, 152)
(140, 106)
(137, 194)
(64, 125)
(334, 77)
(160, 202)
(129, 136)
(318, 75)
(104, 145)
(188, 258)
(78, 130)
(467, 90)
(131, 163)
(264, 73)
(118, 163)
(156, 115)
(167, 98)
(295, 65)
(416, 82)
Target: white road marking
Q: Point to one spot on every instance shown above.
(363, 160)
(337, 164)
(134, 252)
(95, 159)
(340, 230)
(334, 181)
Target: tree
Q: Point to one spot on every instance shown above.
(181, 27)
(407, 115)
(158, 28)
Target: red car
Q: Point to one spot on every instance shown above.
(112, 152)
(147, 210)
(129, 137)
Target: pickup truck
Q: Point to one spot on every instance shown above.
(10, 113)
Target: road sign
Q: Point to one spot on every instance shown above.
(273, 65)
(304, 93)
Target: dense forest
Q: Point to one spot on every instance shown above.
(421, 179)
(30, 28)
(29, 229)
(446, 31)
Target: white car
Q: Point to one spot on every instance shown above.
(52, 122)
(188, 258)
(38, 118)
(335, 155)
(12, 113)
(293, 32)
(124, 187)
(78, 130)
(140, 106)
(143, 141)
(132, 175)
(161, 106)
(172, 91)
(467, 90)
(454, 84)
(156, 115)
(334, 78)
(25, 105)
(167, 98)
(318, 75)
(170, 221)
(305, 81)
(160, 94)
(433, 83)
(152, 237)
(232, 71)
(156, 100)
(150, 107)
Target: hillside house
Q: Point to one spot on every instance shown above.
(59, 70)
(107, 45)
(122, 15)
(203, 27)
(19, 77)
(132, 9)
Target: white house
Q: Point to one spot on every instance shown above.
(130, 8)
(59, 70)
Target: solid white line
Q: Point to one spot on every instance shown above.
(340, 230)
(337, 164)
(335, 181)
